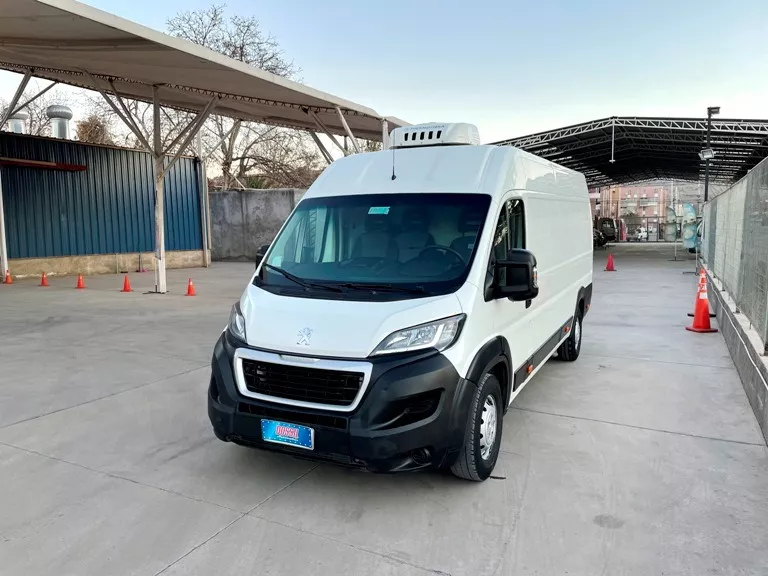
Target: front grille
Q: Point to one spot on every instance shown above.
(299, 383)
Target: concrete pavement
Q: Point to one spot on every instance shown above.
(643, 457)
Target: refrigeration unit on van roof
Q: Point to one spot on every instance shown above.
(435, 134)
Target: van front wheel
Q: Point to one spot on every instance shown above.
(570, 349)
(482, 438)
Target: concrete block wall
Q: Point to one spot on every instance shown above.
(244, 220)
(746, 348)
(90, 264)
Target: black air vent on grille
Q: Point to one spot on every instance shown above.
(299, 383)
(307, 418)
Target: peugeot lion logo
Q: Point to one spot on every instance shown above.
(304, 336)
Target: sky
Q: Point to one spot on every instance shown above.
(513, 67)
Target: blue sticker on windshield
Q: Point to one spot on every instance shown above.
(378, 210)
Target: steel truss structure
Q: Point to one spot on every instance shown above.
(621, 150)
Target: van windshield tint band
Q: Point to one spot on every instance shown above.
(413, 244)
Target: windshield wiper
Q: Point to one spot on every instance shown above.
(301, 281)
(385, 288)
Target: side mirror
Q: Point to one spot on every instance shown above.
(260, 253)
(516, 276)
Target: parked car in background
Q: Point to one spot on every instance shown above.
(608, 228)
(598, 238)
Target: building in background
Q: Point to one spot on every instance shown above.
(642, 207)
(75, 208)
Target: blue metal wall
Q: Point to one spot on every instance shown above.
(108, 208)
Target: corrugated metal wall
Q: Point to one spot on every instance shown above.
(108, 208)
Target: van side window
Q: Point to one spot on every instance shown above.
(510, 229)
(516, 215)
(501, 237)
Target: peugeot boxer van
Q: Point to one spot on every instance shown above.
(405, 303)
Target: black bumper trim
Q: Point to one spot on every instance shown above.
(525, 370)
(425, 386)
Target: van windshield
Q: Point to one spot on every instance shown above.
(388, 246)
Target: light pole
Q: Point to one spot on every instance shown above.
(707, 154)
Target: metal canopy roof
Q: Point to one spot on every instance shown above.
(61, 40)
(651, 148)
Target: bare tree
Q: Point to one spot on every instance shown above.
(368, 145)
(240, 38)
(171, 121)
(244, 147)
(94, 130)
(288, 159)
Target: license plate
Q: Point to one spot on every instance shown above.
(288, 434)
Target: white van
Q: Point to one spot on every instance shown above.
(405, 303)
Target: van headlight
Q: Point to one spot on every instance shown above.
(439, 334)
(237, 323)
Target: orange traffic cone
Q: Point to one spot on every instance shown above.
(702, 281)
(126, 285)
(80, 282)
(43, 280)
(190, 288)
(609, 265)
(8, 279)
(701, 312)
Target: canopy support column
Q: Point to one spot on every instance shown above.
(128, 118)
(349, 133)
(384, 134)
(220, 141)
(324, 129)
(124, 114)
(161, 169)
(189, 131)
(203, 200)
(323, 149)
(160, 166)
(7, 113)
(4, 115)
(190, 126)
(3, 245)
(35, 97)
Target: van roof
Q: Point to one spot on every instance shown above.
(486, 169)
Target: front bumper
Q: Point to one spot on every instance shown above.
(413, 414)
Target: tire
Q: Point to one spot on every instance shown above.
(570, 349)
(476, 459)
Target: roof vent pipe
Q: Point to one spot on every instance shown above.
(18, 122)
(60, 117)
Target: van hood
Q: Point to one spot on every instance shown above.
(333, 328)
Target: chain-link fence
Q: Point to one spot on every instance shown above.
(735, 244)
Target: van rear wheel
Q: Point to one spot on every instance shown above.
(570, 349)
(482, 438)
